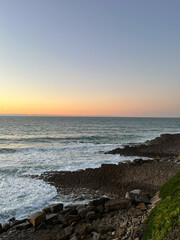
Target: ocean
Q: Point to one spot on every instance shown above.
(34, 144)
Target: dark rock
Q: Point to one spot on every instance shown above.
(98, 202)
(116, 204)
(52, 218)
(1, 229)
(69, 230)
(137, 196)
(82, 229)
(17, 222)
(72, 218)
(90, 215)
(24, 225)
(134, 212)
(62, 235)
(167, 145)
(53, 208)
(6, 227)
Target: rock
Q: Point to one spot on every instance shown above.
(141, 206)
(24, 225)
(69, 230)
(37, 218)
(82, 229)
(52, 218)
(98, 202)
(134, 212)
(90, 216)
(72, 218)
(120, 232)
(116, 204)
(82, 212)
(1, 229)
(137, 196)
(74, 238)
(81, 206)
(6, 227)
(62, 235)
(17, 222)
(12, 219)
(53, 208)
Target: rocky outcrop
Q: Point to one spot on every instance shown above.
(113, 179)
(103, 218)
(167, 145)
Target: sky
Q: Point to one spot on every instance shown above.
(90, 57)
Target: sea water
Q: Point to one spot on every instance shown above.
(31, 145)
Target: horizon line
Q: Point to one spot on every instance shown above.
(59, 115)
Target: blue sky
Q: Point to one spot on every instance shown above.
(95, 57)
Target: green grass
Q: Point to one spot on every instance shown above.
(166, 214)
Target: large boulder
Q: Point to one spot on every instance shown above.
(116, 204)
(137, 196)
(37, 218)
(53, 208)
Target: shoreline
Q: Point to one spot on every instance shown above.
(112, 180)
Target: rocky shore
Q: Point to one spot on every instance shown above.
(130, 189)
(167, 145)
(104, 218)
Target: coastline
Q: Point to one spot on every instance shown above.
(112, 180)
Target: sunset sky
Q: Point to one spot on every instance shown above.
(90, 57)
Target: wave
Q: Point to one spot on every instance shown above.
(53, 139)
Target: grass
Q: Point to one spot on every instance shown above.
(166, 215)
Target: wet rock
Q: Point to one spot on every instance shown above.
(116, 204)
(37, 218)
(24, 225)
(17, 222)
(53, 208)
(6, 227)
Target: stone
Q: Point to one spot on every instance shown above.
(98, 202)
(116, 204)
(1, 229)
(50, 219)
(134, 212)
(74, 238)
(90, 215)
(6, 227)
(141, 206)
(137, 196)
(69, 230)
(100, 208)
(17, 222)
(120, 232)
(53, 208)
(37, 218)
(80, 207)
(24, 225)
(82, 212)
(62, 235)
(72, 218)
(82, 229)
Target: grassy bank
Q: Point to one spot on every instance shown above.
(166, 215)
